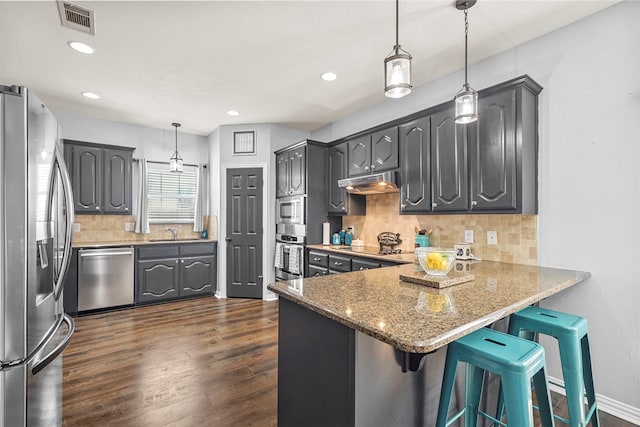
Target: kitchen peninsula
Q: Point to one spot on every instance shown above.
(361, 349)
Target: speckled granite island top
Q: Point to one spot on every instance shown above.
(420, 319)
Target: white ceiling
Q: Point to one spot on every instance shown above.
(158, 62)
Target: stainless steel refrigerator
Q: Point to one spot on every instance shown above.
(36, 217)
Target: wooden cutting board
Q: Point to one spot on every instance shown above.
(439, 282)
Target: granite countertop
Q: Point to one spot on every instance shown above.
(365, 252)
(110, 244)
(420, 319)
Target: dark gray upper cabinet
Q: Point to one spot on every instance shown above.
(338, 200)
(492, 153)
(117, 181)
(100, 177)
(415, 173)
(85, 170)
(373, 153)
(448, 163)
(291, 172)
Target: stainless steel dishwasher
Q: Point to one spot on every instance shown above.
(105, 278)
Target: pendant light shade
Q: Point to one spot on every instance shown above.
(175, 162)
(397, 69)
(466, 101)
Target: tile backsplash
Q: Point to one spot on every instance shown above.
(517, 234)
(111, 228)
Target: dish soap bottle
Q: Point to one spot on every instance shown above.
(204, 233)
(348, 237)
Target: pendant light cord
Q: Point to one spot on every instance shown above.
(466, 37)
(397, 25)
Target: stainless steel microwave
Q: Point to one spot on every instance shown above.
(291, 210)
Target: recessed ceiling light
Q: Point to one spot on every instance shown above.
(233, 113)
(90, 95)
(328, 76)
(81, 47)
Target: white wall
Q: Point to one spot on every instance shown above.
(269, 138)
(589, 184)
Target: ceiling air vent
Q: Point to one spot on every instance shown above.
(77, 17)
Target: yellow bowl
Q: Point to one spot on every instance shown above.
(436, 261)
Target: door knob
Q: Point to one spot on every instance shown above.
(227, 239)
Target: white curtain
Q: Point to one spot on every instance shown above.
(142, 211)
(202, 199)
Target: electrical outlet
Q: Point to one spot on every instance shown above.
(352, 229)
(76, 227)
(468, 236)
(129, 226)
(492, 237)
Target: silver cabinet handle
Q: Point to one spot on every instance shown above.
(404, 205)
(344, 208)
(97, 208)
(177, 261)
(316, 258)
(182, 261)
(366, 168)
(474, 203)
(363, 268)
(434, 205)
(316, 274)
(126, 209)
(373, 167)
(337, 263)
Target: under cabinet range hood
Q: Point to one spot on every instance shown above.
(377, 183)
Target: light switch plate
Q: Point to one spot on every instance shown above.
(76, 227)
(468, 236)
(492, 237)
(129, 226)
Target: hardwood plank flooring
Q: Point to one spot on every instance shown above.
(200, 362)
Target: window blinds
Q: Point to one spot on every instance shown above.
(171, 195)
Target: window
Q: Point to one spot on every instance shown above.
(171, 195)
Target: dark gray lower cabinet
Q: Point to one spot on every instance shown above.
(158, 279)
(165, 272)
(320, 263)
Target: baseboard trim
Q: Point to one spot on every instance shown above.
(606, 404)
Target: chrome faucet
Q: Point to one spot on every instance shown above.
(174, 231)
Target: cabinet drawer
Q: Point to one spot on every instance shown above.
(317, 271)
(191, 249)
(360, 264)
(320, 259)
(158, 251)
(339, 263)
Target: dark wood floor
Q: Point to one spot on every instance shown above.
(202, 362)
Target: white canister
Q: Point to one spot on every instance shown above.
(463, 250)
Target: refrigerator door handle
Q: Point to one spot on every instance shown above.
(68, 197)
(42, 363)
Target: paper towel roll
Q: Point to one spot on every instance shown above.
(326, 233)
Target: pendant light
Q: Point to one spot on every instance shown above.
(175, 162)
(466, 101)
(397, 69)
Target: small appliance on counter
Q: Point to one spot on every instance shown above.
(388, 241)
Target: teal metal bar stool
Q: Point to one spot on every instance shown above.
(515, 360)
(571, 332)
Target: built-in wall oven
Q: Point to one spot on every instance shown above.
(289, 253)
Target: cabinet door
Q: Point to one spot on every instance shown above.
(117, 181)
(282, 174)
(415, 171)
(384, 150)
(86, 178)
(450, 188)
(315, 271)
(359, 155)
(298, 171)
(337, 169)
(157, 280)
(196, 276)
(492, 151)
